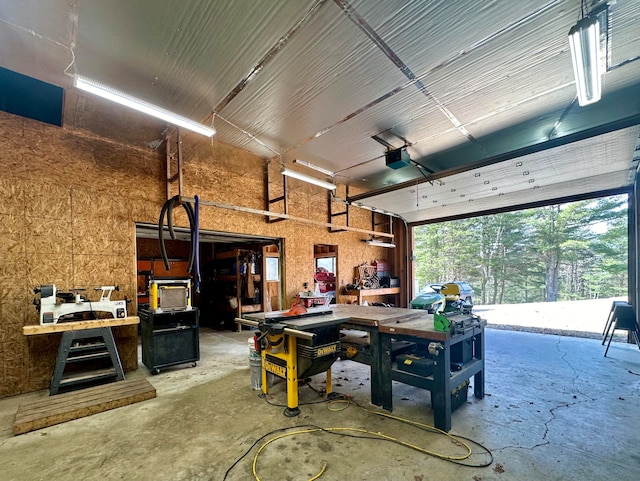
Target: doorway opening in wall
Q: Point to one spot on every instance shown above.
(239, 273)
(554, 268)
(326, 271)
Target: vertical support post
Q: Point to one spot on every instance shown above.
(382, 394)
(270, 201)
(292, 377)
(333, 214)
(388, 222)
(110, 343)
(61, 361)
(441, 394)
(263, 374)
(633, 253)
(478, 350)
(329, 384)
(174, 162)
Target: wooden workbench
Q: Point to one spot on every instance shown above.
(68, 352)
(78, 325)
(360, 294)
(302, 323)
(387, 325)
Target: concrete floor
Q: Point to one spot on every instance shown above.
(555, 409)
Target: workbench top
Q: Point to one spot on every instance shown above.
(391, 320)
(316, 317)
(424, 329)
(78, 325)
(378, 315)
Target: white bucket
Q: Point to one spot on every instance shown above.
(255, 365)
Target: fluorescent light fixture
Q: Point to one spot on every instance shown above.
(306, 178)
(374, 242)
(314, 167)
(122, 98)
(584, 40)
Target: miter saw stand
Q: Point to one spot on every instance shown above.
(54, 306)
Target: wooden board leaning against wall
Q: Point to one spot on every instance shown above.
(71, 201)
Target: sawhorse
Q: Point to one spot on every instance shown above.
(70, 353)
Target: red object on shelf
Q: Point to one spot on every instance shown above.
(327, 286)
(383, 268)
(326, 281)
(325, 277)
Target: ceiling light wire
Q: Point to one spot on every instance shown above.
(47, 39)
(74, 34)
(248, 134)
(213, 118)
(566, 111)
(623, 63)
(71, 64)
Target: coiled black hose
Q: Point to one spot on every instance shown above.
(193, 233)
(167, 211)
(168, 205)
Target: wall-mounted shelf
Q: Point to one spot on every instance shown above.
(360, 294)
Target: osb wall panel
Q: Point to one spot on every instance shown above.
(67, 219)
(71, 201)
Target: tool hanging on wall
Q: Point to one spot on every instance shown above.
(167, 211)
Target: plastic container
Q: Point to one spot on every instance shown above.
(382, 267)
(253, 354)
(255, 365)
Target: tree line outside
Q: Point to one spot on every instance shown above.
(568, 251)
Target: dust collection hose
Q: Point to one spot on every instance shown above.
(172, 204)
(191, 216)
(195, 233)
(168, 205)
(167, 210)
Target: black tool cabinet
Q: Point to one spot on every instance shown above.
(169, 338)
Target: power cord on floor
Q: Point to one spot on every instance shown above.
(308, 384)
(344, 402)
(456, 438)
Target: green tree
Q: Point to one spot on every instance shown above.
(568, 251)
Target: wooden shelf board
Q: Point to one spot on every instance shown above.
(252, 308)
(373, 292)
(85, 402)
(78, 325)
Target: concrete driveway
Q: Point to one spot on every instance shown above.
(570, 318)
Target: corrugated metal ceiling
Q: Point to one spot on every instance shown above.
(473, 87)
